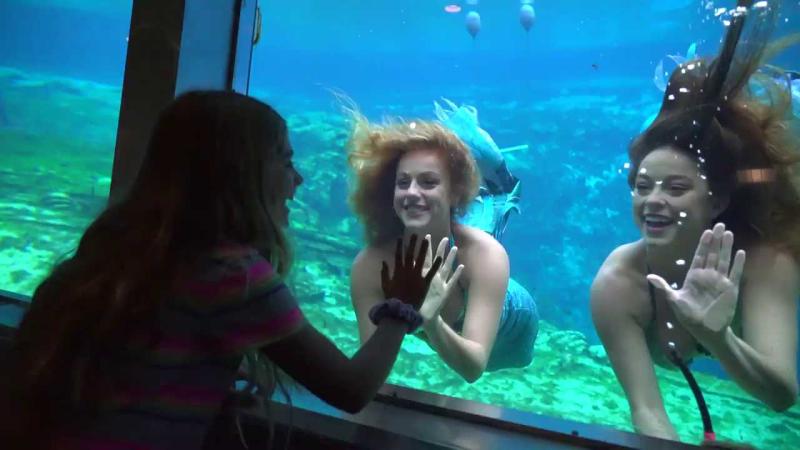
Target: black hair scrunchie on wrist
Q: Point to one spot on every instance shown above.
(396, 309)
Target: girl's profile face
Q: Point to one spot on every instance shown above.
(672, 201)
(421, 189)
(283, 179)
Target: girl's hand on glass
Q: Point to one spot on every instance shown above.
(706, 303)
(409, 283)
(443, 281)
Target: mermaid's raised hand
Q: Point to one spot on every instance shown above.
(443, 282)
(707, 300)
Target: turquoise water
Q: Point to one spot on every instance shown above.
(575, 89)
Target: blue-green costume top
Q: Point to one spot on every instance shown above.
(516, 335)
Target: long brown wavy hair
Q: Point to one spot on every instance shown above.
(374, 152)
(201, 182)
(732, 114)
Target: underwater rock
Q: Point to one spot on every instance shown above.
(314, 297)
(18, 276)
(325, 243)
(346, 225)
(778, 428)
(58, 200)
(568, 341)
(598, 353)
(101, 186)
(417, 346)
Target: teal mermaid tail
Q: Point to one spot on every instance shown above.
(519, 327)
(499, 194)
(463, 121)
(490, 213)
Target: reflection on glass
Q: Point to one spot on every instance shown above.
(60, 85)
(575, 89)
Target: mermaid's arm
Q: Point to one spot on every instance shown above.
(468, 353)
(614, 309)
(763, 360)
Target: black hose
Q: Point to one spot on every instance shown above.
(708, 427)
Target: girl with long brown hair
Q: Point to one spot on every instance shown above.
(135, 341)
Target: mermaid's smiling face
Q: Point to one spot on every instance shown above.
(422, 189)
(672, 201)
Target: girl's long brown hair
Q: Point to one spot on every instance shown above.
(201, 182)
(745, 141)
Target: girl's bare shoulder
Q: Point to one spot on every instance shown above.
(475, 243)
(626, 260)
(622, 272)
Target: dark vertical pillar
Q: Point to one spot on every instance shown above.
(151, 72)
(175, 46)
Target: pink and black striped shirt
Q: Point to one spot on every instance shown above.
(234, 302)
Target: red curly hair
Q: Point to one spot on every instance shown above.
(374, 152)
